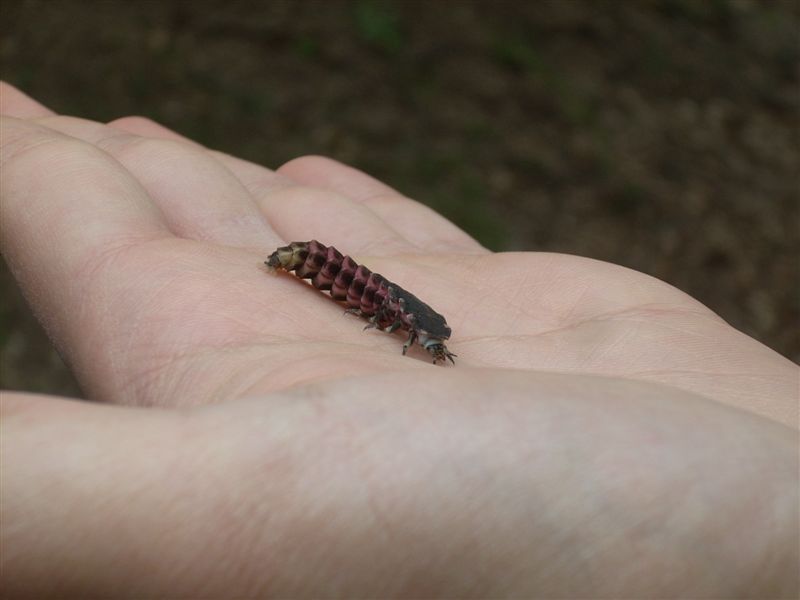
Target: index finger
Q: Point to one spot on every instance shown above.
(66, 208)
(15, 103)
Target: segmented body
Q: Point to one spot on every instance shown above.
(387, 305)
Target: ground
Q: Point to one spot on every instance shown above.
(661, 135)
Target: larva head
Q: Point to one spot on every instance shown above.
(436, 348)
(429, 326)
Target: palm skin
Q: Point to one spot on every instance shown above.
(550, 452)
(214, 316)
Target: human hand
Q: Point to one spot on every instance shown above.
(165, 241)
(141, 252)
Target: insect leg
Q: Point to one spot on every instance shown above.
(412, 337)
(373, 322)
(393, 327)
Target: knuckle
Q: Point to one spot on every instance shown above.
(307, 162)
(133, 122)
(131, 147)
(28, 146)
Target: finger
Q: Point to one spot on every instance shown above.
(415, 221)
(15, 103)
(200, 198)
(64, 201)
(258, 180)
(304, 213)
(67, 210)
(299, 212)
(144, 127)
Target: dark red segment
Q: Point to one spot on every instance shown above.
(359, 295)
(347, 270)
(344, 278)
(321, 281)
(333, 255)
(330, 269)
(314, 247)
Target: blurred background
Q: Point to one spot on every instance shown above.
(661, 135)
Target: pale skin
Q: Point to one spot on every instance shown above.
(601, 434)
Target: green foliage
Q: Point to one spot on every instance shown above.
(306, 46)
(518, 53)
(378, 25)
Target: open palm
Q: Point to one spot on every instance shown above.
(546, 453)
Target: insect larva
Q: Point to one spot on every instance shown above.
(388, 306)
